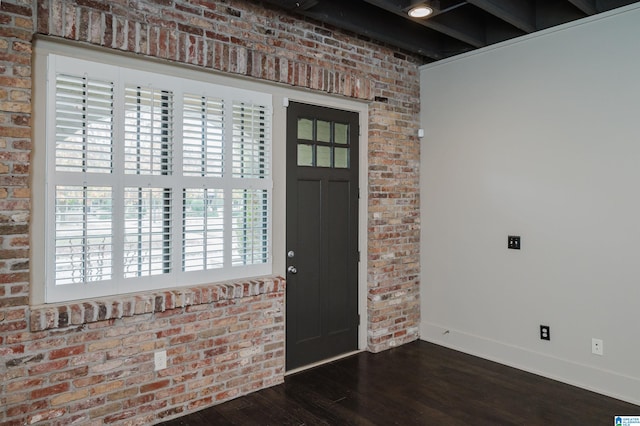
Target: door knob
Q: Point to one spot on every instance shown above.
(292, 270)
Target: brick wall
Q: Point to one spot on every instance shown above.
(53, 370)
(93, 362)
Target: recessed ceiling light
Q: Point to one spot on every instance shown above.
(420, 11)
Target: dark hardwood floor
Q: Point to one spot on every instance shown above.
(416, 384)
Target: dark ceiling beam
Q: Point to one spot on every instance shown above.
(460, 27)
(371, 22)
(518, 13)
(604, 5)
(552, 13)
(455, 26)
(587, 6)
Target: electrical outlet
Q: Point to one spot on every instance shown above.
(545, 332)
(513, 242)
(160, 360)
(597, 347)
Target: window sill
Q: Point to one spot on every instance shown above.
(80, 312)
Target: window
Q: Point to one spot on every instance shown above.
(153, 181)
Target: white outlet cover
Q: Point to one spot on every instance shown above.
(160, 360)
(597, 347)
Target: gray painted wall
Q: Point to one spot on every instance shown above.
(538, 137)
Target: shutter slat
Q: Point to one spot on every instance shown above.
(251, 156)
(84, 125)
(203, 229)
(83, 234)
(203, 136)
(250, 243)
(147, 231)
(148, 131)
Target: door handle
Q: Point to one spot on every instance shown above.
(292, 269)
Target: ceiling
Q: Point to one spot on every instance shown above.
(455, 27)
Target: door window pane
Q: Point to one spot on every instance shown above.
(305, 155)
(324, 131)
(341, 158)
(323, 143)
(341, 133)
(324, 156)
(305, 129)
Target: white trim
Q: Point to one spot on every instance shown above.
(559, 369)
(363, 182)
(119, 180)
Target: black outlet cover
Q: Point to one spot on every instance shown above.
(513, 242)
(545, 332)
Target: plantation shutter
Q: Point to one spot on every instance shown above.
(83, 146)
(154, 181)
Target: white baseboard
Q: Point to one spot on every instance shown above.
(587, 377)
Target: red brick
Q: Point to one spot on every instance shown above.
(169, 332)
(227, 394)
(24, 384)
(66, 352)
(68, 374)
(88, 381)
(45, 415)
(123, 394)
(203, 402)
(140, 400)
(16, 9)
(14, 325)
(154, 386)
(183, 339)
(87, 404)
(26, 408)
(48, 367)
(119, 417)
(51, 390)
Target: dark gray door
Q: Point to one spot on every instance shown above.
(322, 233)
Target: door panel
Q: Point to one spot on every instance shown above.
(322, 215)
(338, 272)
(309, 231)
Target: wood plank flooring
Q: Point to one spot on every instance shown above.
(416, 384)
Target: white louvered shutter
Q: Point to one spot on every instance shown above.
(153, 181)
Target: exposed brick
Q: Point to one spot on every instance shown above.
(69, 396)
(18, 102)
(119, 416)
(48, 367)
(104, 410)
(66, 352)
(15, 9)
(154, 386)
(26, 408)
(45, 415)
(94, 4)
(68, 374)
(7, 302)
(104, 388)
(24, 384)
(122, 394)
(88, 381)
(51, 390)
(231, 37)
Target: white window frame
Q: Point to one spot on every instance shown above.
(122, 75)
